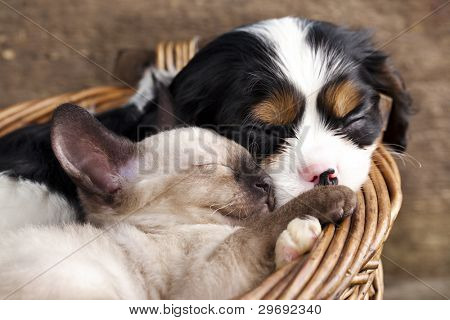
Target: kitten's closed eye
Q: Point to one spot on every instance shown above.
(218, 168)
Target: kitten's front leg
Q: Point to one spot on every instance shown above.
(301, 233)
(327, 204)
(246, 257)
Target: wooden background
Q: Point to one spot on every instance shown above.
(417, 256)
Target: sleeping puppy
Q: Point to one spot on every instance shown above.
(185, 214)
(301, 95)
(31, 179)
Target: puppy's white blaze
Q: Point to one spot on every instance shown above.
(308, 69)
(29, 203)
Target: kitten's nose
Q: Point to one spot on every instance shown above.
(319, 174)
(264, 184)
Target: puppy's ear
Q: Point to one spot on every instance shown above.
(159, 113)
(385, 78)
(97, 160)
(166, 118)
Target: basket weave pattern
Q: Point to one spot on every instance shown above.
(345, 261)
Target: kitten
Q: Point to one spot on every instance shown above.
(35, 190)
(184, 214)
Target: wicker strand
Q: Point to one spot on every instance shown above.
(328, 262)
(311, 264)
(348, 254)
(368, 235)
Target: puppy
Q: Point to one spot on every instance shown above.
(301, 95)
(34, 189)
(185, 214)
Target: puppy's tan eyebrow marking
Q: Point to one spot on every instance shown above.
(281, 108)
(342, 98)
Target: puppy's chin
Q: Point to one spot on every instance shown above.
(353, 165)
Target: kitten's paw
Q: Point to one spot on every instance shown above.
(330, 204)
(298, 238)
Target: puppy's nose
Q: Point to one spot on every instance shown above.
(327, 178)
(319, 174)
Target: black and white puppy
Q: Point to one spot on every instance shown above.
(31, 177)
(302, 95)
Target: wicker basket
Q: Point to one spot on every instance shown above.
(344, 263)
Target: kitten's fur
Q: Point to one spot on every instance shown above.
(183, 214)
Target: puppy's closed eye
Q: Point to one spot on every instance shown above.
(343, 97)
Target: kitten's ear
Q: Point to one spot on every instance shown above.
(96, 159)
(386, 79)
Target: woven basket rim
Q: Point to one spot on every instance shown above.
(345, 261)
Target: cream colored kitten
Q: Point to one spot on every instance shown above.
(185, 214)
